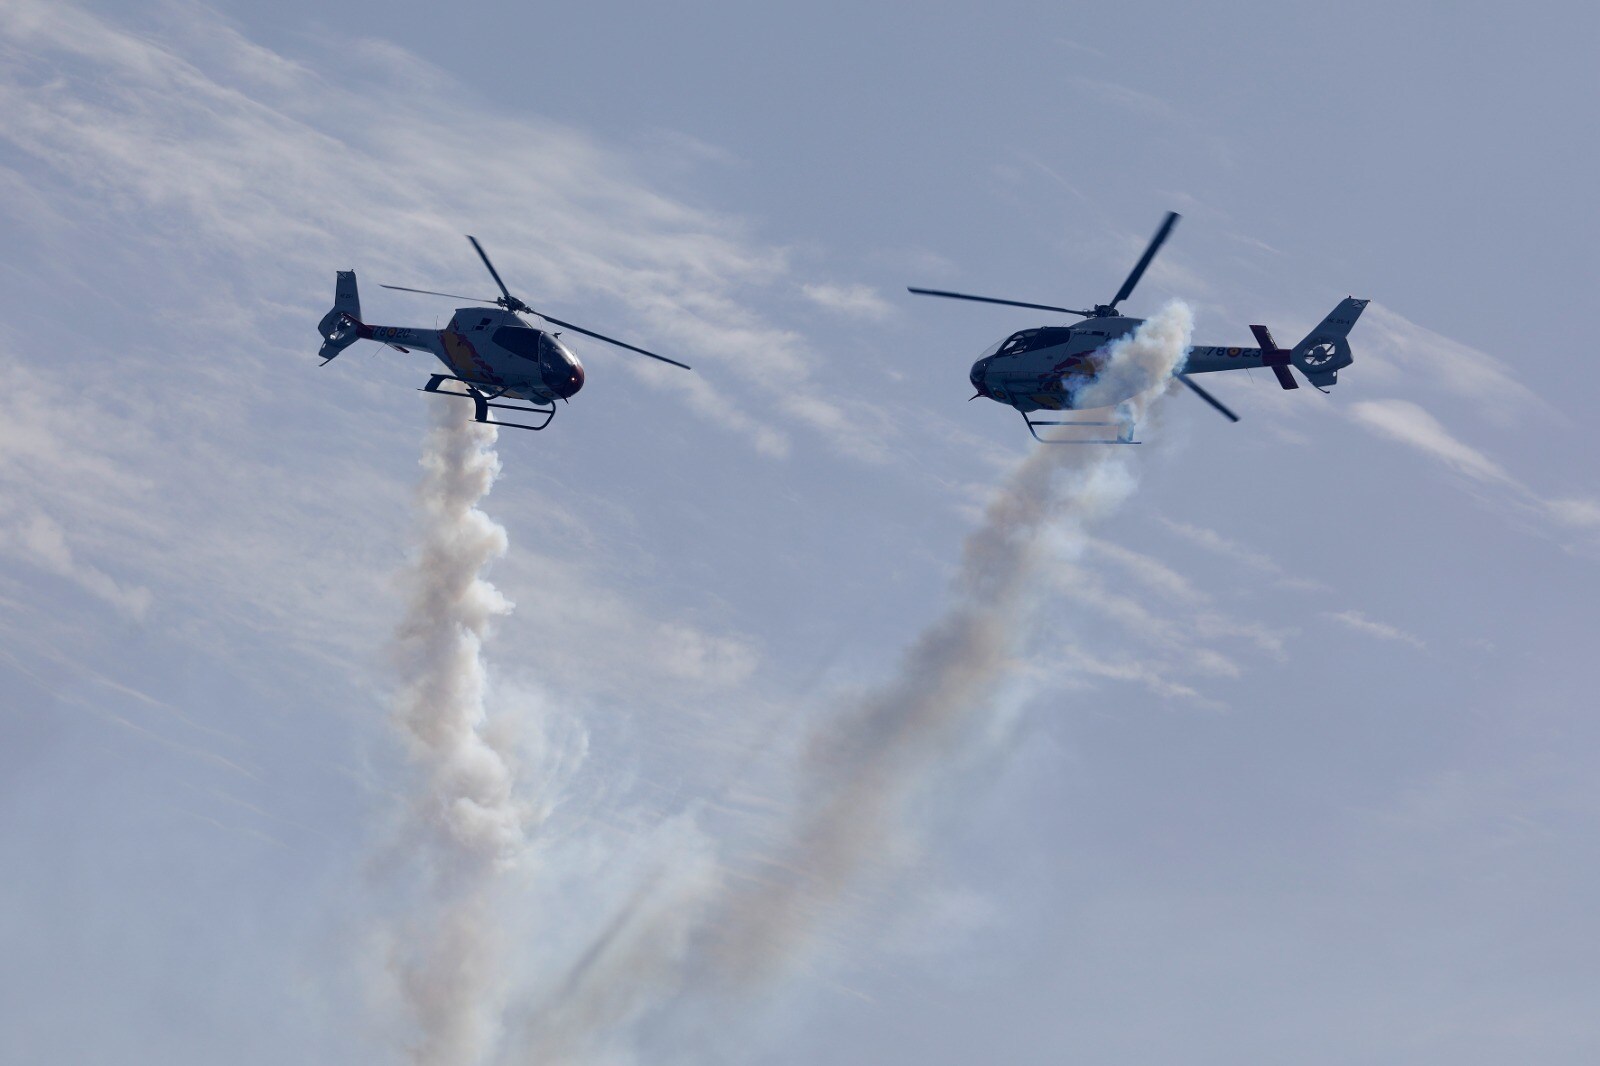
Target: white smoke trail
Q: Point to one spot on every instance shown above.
(636, 962)
(865, 767)
(467, 824)
(862, 768)
(1141, 365)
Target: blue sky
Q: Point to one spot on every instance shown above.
(1294, 756)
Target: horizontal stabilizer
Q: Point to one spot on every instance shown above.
(1274, 357)
(1269, 347)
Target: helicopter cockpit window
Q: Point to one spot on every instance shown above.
(519, 341)
(1017, 342)
(1028, 340)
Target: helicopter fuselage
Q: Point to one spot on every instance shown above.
(495, 351)
(491, 351)
(1045, 368)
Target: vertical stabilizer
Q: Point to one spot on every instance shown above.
(1325, 350)
(345, 296)
(341, 327)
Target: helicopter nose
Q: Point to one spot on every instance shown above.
(980, 372)
(564, 377)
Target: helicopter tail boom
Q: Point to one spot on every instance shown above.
(342, 326)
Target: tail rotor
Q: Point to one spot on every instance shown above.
(1326, 349)
(341, 326)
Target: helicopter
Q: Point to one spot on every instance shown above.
(502, 361)
(1047, 368)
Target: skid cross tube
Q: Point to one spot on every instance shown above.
(1125, 437)
(481, 403)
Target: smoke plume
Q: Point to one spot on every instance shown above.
(466, 824)
(862, 767)
(1141, 364)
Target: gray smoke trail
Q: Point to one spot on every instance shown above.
(466, 824)
(863, 767)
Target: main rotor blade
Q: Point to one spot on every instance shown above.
(992, 300)
(451, 295)
(510, 299)
(610, 340)
(1208, 398)
(1144, 261)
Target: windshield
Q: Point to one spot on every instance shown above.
(519, 340)
(554, 349)
(1028, 340)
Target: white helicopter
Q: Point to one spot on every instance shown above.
(1047, 368)
(490, 350)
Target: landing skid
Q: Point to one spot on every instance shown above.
(481, 403)
(1124, 436)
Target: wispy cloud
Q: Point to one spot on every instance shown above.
(1154, 676)
(1382, 630)
(173, 504)
(1393, 348)
(851, 301)
(39, 540)
(1147, 570)
(1577, 513)
(1183, 642)
(131, 721)
(1247, 557)
(1148, 625)
(1129, 99)
(265, 159)
(1409, 424)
